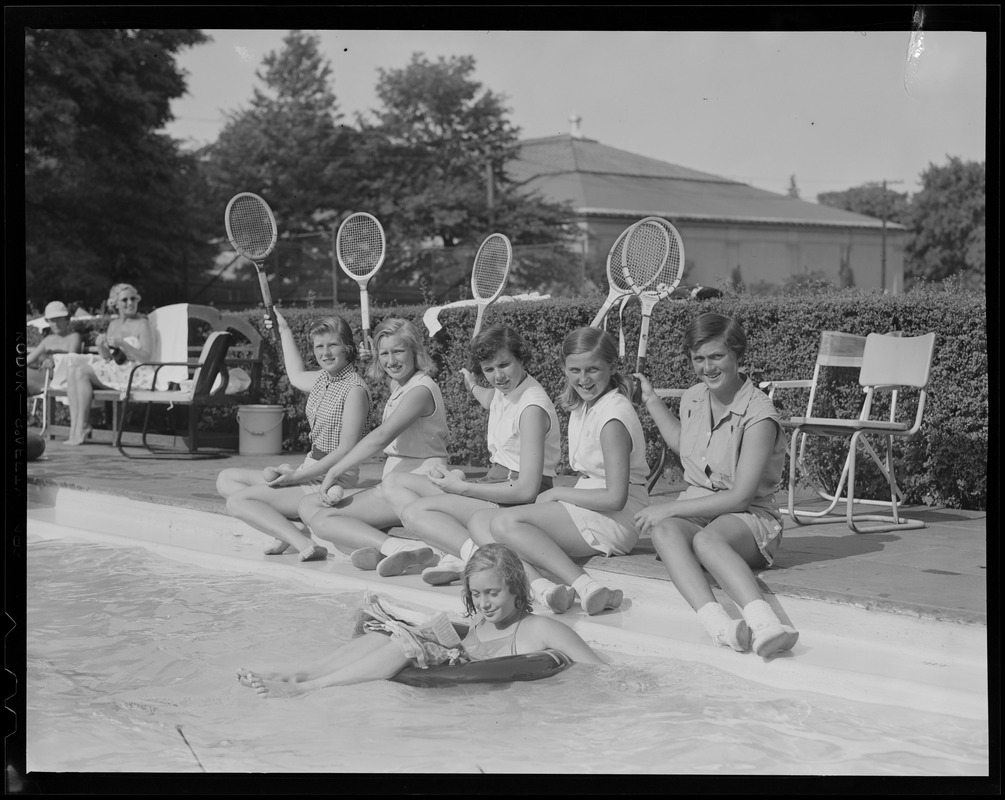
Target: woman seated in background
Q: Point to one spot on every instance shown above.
(128, 341)
(59, 340)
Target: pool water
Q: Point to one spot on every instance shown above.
(124, 647)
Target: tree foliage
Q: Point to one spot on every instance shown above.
(947, 223)
(289, 145)
(871, 199)
(107, 197)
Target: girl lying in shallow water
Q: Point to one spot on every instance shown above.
(495, 588)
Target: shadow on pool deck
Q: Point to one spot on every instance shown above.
(939, 571)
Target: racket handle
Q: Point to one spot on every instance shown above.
(364, 314)
(263, 282)
(640, 367)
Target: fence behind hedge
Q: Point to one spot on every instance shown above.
(946, 464)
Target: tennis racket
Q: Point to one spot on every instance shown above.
(663, 286)
(619, 286)
(251, 228)
(360, 246)
(489, 273)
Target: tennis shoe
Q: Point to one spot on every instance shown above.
(602, 599)
(773, 638)
(406, 561)
(559, 598)
(449, 569)
(366, 558)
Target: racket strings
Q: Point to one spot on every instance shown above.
(490, 270)
(646, 253)
(670, 275)
(251, 227)
(615, 274)
(361, 247)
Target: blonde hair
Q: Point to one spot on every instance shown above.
(405, 330)
(595, 342)
(113, 296)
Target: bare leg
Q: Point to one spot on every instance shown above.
(80, 383)
(354, 523)
(672, 539)
(347, 653)
(727, 550)
(545, 536)
(271, 511)
(381, 663)
(442, 520)
(402, 488)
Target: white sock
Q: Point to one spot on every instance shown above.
(759, 613)
(584, 585)
(468, 550)
(713, 618)
(449, 561)
(394, 545)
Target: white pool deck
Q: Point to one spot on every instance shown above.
(888, 655)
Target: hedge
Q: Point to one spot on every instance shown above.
(945, 464)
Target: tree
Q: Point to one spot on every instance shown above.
(107, 197)
(871, 200)
(437, 150)
(947, 222)
(289, 145)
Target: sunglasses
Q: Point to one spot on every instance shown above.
(129, 299)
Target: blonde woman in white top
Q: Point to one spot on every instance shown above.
(413, 436)
(524, 442)
(597, 515)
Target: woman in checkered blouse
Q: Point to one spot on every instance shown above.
(338, 406)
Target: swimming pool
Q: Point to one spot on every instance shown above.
(127, 644)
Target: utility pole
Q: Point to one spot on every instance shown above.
(490, 180)
(886, 212)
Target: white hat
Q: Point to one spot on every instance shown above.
(56, 309)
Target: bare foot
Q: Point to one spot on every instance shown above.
(273, 688)
(277, 548)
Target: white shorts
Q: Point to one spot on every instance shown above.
(613, 533)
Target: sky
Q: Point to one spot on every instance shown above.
(834, 109)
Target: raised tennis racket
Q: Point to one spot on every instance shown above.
(489, 273)
(618, 285)
(360, 246)
(251, 228)
(663, 286)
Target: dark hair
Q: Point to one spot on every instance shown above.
(711, 326)
(395, 326)
(338, 327)
(594, 341)
(495, 338)
(510, 568)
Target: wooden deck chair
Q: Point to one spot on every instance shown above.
(209, 380)
(657, 471)
(889, 364)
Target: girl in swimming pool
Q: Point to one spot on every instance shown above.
(732, 448)
(495, 590)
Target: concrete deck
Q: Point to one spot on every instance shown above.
(938, 572)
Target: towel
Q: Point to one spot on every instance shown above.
(170, 327)
(432, 316)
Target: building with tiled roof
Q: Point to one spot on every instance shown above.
(724, 224)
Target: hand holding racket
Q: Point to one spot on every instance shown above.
(489, 273)
(360, 246)
(664, 284)
(251, 228)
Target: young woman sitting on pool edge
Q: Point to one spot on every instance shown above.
(495, 589)
(732, 447)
